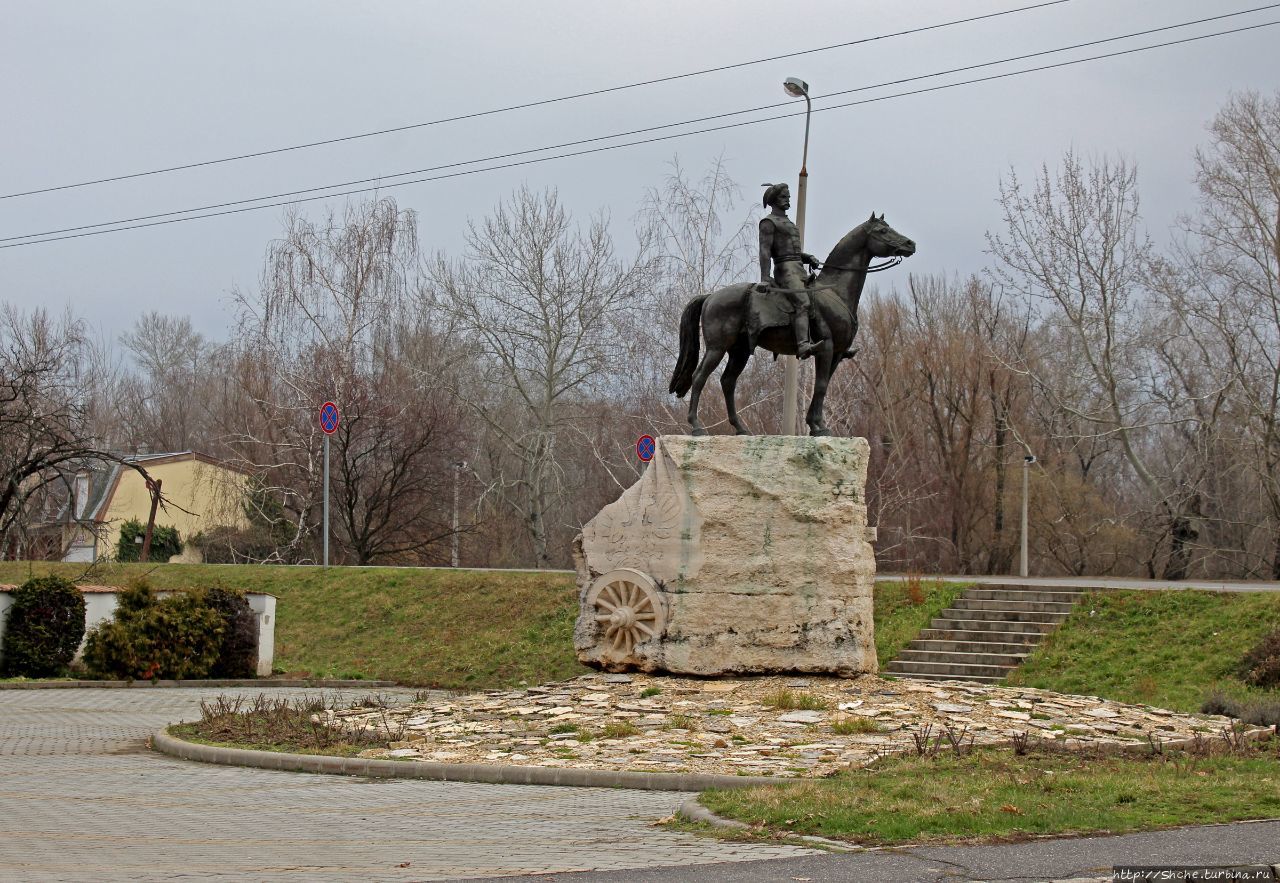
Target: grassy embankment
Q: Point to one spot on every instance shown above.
(459, 629)
(439, 628)
(1168, 649)
(996, 794)
(899, 618)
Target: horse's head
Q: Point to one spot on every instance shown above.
(885, 242)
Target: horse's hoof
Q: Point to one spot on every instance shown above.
(698, 431)
(819, 433)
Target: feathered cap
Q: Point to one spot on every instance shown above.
(771, 192)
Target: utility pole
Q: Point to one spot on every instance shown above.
(457, 473)
(796, 88)
(1026, 487)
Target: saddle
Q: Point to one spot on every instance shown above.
(772, 309)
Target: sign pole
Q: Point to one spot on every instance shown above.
(329, 420)
(326, 500)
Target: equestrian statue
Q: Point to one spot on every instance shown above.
(790, 312)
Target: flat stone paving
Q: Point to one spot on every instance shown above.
(81, 797)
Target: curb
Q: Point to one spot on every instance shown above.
(693, 811)
(225, 682)
(492, 774)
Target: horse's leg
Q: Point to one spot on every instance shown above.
(708, 364)
(738, 357)
(825, 361)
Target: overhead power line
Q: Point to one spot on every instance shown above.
(531, 104)
(384, 179)
(845, 105)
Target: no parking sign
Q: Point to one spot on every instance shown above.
(645, 448)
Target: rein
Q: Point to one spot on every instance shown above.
(876, 268)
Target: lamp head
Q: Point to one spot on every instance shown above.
(796, 87)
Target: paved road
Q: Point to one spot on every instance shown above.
(82, 798)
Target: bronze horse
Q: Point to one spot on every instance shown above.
(723, 315)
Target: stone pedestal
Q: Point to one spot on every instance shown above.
(733, 554)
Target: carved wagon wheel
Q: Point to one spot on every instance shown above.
(628, 608)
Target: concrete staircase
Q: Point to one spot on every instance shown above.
(984, 635)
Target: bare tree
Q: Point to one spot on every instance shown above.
(540, 299)
(46, 432)
(1074, 243)
(330, 321)
(164, 404)
(1224, 284)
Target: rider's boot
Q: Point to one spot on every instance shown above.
(804, 346)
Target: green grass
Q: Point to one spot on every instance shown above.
(456, 629)
(786, 700)
(1160, 648)
(995, 794)
(853, 726)
(899, 620)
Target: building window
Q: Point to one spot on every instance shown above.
(82, 494)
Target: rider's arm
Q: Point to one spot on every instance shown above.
(810, 260)
(766, 250)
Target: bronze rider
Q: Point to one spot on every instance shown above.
(780, 246)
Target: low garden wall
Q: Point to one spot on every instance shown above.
(101, 601)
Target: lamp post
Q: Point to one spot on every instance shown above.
(1026, 484)
(796, 88)
(457, 472)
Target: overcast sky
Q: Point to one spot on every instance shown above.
(93, 89)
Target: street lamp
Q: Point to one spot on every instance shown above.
(1026, 469)
(457, 472)
(796, 88)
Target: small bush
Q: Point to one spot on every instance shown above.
(785, 700)
(177, 637)
(233, 545)
(238, 652)
(619, 730)
(165, 542)
(1261, 666)
(46, 624)
(852, 726)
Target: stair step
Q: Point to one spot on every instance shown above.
(1022, 616)
(1029, 639)
(971, 646)
(1023, 595)
(993, 625)
(948, 668)
(1006, 660)
(967, 603)
(916, 676)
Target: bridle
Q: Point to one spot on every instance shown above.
(871, 268)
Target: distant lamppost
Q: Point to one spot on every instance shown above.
(457, 472)
(796, 88)
(1026, 484)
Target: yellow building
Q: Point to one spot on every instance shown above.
(201, 492)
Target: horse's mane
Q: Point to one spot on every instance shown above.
(845, 249)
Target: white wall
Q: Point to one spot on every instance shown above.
(101, 606)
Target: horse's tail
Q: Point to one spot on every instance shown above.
(682, 376)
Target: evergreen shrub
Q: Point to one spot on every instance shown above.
(165, 541)
(178, 637)
(46, 624)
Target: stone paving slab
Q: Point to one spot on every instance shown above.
(81, 798)
(781, 727)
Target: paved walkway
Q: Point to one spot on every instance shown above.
(1098, 582)
(82, 798)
